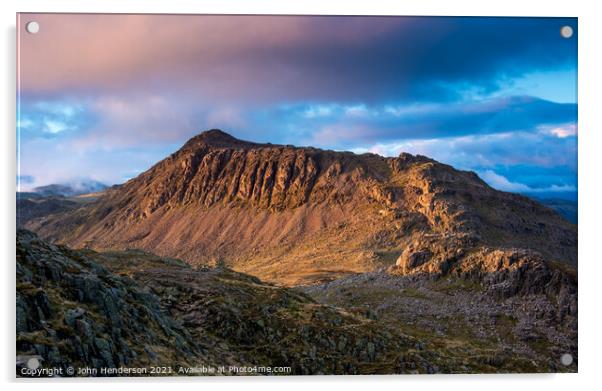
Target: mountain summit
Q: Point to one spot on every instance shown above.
(298, 215)
(216, 138)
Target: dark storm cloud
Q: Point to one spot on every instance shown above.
(277, 58)
(427, 59)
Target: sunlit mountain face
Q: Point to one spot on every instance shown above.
(492, 95)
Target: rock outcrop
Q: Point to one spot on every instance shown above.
(508, 272)
(72, 311)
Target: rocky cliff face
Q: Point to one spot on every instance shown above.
(301, 215)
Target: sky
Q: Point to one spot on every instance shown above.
(104, 97)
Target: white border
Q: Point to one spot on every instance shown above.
(590, 164)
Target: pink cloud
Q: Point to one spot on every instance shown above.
(217, 56)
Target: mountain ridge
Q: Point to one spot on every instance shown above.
(297, 215)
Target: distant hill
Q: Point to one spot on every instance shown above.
(46, 200)
(33, 206)
(70, 189)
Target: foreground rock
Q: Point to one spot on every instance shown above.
(72, 311)
(133, 309)
(507, 272)
(512, 320)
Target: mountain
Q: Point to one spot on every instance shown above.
(302, 215)
(70, 189)
(327, 261)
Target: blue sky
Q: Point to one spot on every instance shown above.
(493, 95)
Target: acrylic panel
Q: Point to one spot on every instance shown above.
(295, 195)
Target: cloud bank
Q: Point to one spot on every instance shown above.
(116, 93)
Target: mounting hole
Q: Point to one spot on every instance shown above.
(566, 359)
(33, 363)
(566, 32)
(32, 27)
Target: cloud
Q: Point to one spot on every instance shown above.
(51, 118)
(48, 161)
(271, 58)
(384, 84)
(471, 135)
(226, 117)
(346, 126)
(474, 151)
(565, 131)
(136, 120)
(516, 161)
(500, 182)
